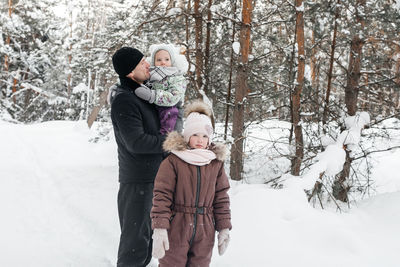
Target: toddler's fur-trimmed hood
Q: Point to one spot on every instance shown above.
(176, 141)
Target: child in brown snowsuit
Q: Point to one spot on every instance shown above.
(190, 198)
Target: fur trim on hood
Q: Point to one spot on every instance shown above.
(199, 107)
(176, 141)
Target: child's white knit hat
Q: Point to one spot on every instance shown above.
(198, 120)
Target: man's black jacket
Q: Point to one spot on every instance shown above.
(136, 128)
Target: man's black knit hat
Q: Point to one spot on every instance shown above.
(125, 60)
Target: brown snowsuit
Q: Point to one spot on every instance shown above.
(191, 202)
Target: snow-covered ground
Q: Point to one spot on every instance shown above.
(58, 208)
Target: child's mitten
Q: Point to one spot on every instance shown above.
(223, 240)
(160, 243)
(146, 93)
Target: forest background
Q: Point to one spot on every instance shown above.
(309, 63)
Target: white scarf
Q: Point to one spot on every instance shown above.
(198, 157)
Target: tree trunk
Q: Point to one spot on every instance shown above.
(228, 95)
(291, 82)
(8, 39)
(313, 61)
(93, 115)
(6, 61)
(330, 71)
(314, 66)
(353, 72)
(171, 4)
(207, 50)
(397, 79)
(69, 78)
(351, 95)
(339, 189)
(353, 76)
(14, 90)
(187, 27)
(241, 91)
(199, 44)
(296, 161)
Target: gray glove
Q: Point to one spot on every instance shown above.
(146, 93)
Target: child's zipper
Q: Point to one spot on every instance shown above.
(196, 205)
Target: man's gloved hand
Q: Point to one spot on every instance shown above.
(160, 243)
(223, 240)
(146, 93)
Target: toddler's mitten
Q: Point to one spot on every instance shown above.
(223, 240)
(160, 243)
(146, 93)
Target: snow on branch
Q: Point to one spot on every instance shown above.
(330, 161)
(51, 98)
(27, 86)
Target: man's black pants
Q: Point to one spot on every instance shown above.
(134, 205)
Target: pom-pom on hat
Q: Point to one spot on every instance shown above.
(198, 120)
(167, 47)
(125, 60)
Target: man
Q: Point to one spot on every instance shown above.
(136, 128)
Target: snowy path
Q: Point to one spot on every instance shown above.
(58, 208)
(59, 202)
